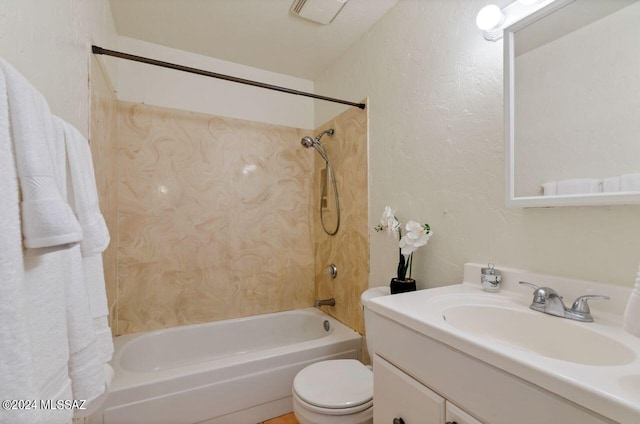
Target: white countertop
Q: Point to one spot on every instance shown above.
(610, 390)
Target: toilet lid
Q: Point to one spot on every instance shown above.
(335, 384)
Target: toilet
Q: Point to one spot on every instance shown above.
(338, 391)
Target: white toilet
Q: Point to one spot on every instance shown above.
(338, 391)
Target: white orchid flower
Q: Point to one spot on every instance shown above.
(417, 235)
(389, 222)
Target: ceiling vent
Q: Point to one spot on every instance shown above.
(321, 11)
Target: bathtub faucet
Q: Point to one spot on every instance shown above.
(325, 302)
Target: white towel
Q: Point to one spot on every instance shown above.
(16, 371)
(84, 193)
(579, 186)
(33, 344)
(631, 323)
(94, 279)
(630, 182)
(85, 364)
(85, 360)
(47, 219)
(92, 407)
(45, 277)
(550, 188)
(611, 184)
(84, 367)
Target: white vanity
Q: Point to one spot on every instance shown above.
(459, 354)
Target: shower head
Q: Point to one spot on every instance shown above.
(316, 144)
(307, 141)
(313, 142)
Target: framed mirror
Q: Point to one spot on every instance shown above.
(572, 105)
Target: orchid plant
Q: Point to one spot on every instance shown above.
(416, 236)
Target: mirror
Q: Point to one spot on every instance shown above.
(572, 105)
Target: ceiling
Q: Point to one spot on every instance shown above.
(258, 33)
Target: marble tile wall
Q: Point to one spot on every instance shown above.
(349, 248)
(215, 218)
(103, 123)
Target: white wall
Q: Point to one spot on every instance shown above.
(436, 148)
(48, 41)
(141, 83)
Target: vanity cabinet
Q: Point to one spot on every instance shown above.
(400, 399)
(422, 380)
(458, 416)
(397, 396)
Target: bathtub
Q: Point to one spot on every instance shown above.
(234, 371)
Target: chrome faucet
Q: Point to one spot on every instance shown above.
(548, 301)
(325, 302)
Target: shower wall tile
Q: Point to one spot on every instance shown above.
(104, 149)
(215, 218)
(349, 248)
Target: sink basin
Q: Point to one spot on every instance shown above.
(594, 365)
(545, 335)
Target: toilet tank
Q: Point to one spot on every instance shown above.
(364, 299)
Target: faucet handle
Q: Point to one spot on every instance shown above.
(581, 305)
(533, 286)
(539, 293)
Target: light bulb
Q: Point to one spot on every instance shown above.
(489, 17)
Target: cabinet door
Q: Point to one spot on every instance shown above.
(458, 416)
(399, 399)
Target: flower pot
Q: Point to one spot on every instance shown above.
(402, 286)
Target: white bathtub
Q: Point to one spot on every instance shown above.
(234, 371)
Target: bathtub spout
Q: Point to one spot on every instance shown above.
(327, 302)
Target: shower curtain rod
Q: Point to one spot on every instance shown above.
(100, 50)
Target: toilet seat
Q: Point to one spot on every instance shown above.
(335, 387)
(332, 411)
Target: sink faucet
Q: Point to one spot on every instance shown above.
(547, 300)
(323, 302)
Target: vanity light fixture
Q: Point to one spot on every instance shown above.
(492, 20)
(489, 17)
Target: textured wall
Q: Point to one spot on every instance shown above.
(436, 153)
(214, 220)
(104, 148)
(49, 42)
(349, 248)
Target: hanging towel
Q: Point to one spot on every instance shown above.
(33, 345)
(630, 182)
(611, 184)
(92, 407)
(94, 278)
(16, 371)
(45, 278)
(550, 188)
(47, 219)
(83, 195)
(85, 358)
(85, 365)
(579, 186)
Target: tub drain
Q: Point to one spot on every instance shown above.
(325, 324)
